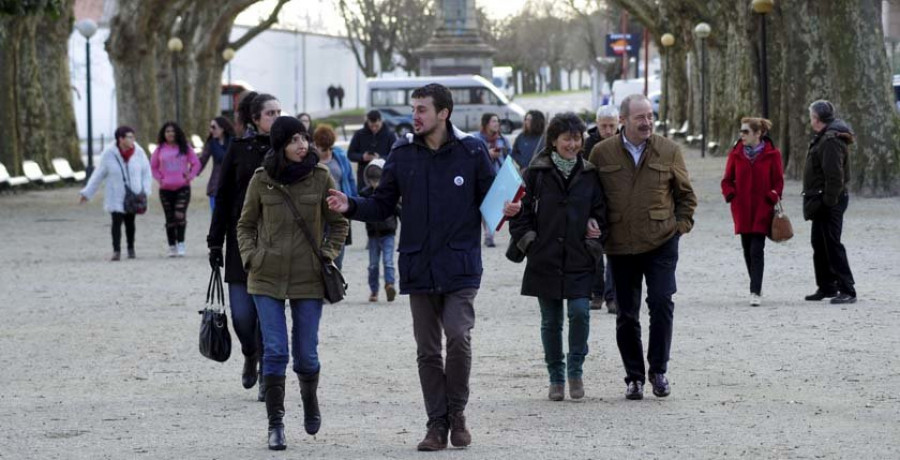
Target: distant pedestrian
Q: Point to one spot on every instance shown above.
(282, 266)
(531, 140)
(650, 204)
(122, 164)
(825, 200)
(381, 237)
(338, 165)
(563, 191)
(753, 183)
(332, 94)
(242, 159)
(442, 175)
(339, 92)
(373, 140)
(498, 148)
(307, 121)
(174, 165)
(604, 290)
(221, 133)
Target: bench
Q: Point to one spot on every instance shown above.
(34, 174)
(64, 170)
(679, 132)
(197, 142)
(10, 182)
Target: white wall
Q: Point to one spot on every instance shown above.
(295, 67)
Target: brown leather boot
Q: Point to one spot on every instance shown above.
(436, 437)
(459, 434)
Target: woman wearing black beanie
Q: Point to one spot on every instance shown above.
(258, 113)
(282, 266)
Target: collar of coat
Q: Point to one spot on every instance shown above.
(268, 180)
(543, 161)
(454, 135)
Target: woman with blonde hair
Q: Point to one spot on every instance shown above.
(753, 183)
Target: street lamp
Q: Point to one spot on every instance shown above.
(702, 31)
(87, 28)
(228, 55)
(667, 41)
(763, 7)
(175, 46)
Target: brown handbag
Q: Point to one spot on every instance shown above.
(782, 230)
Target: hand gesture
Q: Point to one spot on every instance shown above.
(337, 201)
(82, 199)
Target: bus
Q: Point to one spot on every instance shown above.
(473, 96)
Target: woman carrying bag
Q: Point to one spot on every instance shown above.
(753, 184)
(123, 164)
(282, 264)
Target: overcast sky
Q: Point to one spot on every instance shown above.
(323, 16)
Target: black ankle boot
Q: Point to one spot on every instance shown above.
(275, 410)
(261, 396)
(312, 419)
(249, 375)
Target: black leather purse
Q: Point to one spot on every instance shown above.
(215, 340)
(332, 278)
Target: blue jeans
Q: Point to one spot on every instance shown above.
(381, 249)
(244, 318)
(305, 314)
(212, 204)
(551, 336)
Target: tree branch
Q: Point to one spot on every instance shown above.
(259, 28)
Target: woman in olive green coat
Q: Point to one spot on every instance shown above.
(282, 264)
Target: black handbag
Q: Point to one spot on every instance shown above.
(134, 203)
(215, 340)
(332, 278)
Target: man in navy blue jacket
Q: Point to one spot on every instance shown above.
(442, 174)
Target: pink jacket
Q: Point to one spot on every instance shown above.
(171, 170)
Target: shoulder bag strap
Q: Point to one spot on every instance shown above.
(302, 224)
(126, 176)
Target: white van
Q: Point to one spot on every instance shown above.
(473, 96)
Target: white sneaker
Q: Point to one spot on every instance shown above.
(173, 252)
(755, 300)
(181, 249)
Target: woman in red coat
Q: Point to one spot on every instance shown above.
(753, 184)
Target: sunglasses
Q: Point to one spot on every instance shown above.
(213, 127)
(745, 131)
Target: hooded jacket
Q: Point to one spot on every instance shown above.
(827, 170)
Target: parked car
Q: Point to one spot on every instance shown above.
(401, 123)
(473, 96)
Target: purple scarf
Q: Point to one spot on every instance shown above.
(752, 152)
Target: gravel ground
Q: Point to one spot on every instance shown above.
(100, 359)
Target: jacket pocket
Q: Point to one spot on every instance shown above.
(661, 222)
(405, 259)
(274, 213)
(812, 204)
(463, 259)
(663, 173)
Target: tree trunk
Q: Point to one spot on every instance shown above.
(35, 91)
(145, 69)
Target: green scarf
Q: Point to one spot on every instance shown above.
(565, 166)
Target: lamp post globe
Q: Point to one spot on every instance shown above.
(667, 40)
(228, 55)
(762, 6)
(702, 30)
(86, 27)
(175, 45)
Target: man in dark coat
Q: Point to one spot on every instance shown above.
(332, 94)
(604, 289)
(374, 140)
(442, 175)
(825, 200)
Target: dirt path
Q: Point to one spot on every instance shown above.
(99, 360)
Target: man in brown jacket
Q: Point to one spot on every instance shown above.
(650, 204)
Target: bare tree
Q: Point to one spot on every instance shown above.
(416, 25)
(144, 68)
(372, 32)
(37, 114)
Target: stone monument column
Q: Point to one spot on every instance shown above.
(456, 48)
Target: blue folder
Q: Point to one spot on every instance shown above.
(505, 187)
